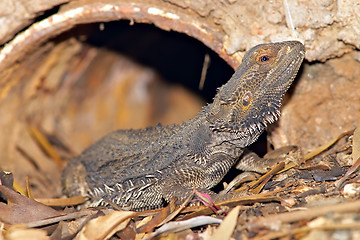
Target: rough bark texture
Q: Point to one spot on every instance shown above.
(17, 14)
(329, 28)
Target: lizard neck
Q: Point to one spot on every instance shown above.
(240, 138)
(251, 99)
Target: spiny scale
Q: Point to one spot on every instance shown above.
(145, 169)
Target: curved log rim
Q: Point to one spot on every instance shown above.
(62, 21)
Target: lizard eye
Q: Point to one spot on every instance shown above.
(263, 58)
(246, 99)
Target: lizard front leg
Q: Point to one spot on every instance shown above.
(250, 161)
(202, 177)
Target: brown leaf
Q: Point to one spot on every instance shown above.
(25, 234)
(178, 226)
(158, 218)
(141, 223)
(105, 226)
(70, 201)
(128, 233)
(23, 209)
(226, 228)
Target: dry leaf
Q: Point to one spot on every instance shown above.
(105, 226)
(162, 217)
(226, 228)
(128, 233)
(144, 221)
(25, 234)
(182, 225)
(23, 209)
(70, 201)
(140, 224)
(157, 219)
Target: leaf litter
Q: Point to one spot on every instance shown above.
(291, 201)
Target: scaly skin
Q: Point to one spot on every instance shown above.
(144, 169)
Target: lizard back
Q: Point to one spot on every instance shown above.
(143, 169)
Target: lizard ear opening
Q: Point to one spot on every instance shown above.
(246, 99)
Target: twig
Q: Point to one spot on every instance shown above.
(327, 227)
(322, 148)
(45, 145)
(288, 17)
(351, 170)
(278, 219)
(266, 177)
(204, 71)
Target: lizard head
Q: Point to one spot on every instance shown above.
(251, 99)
